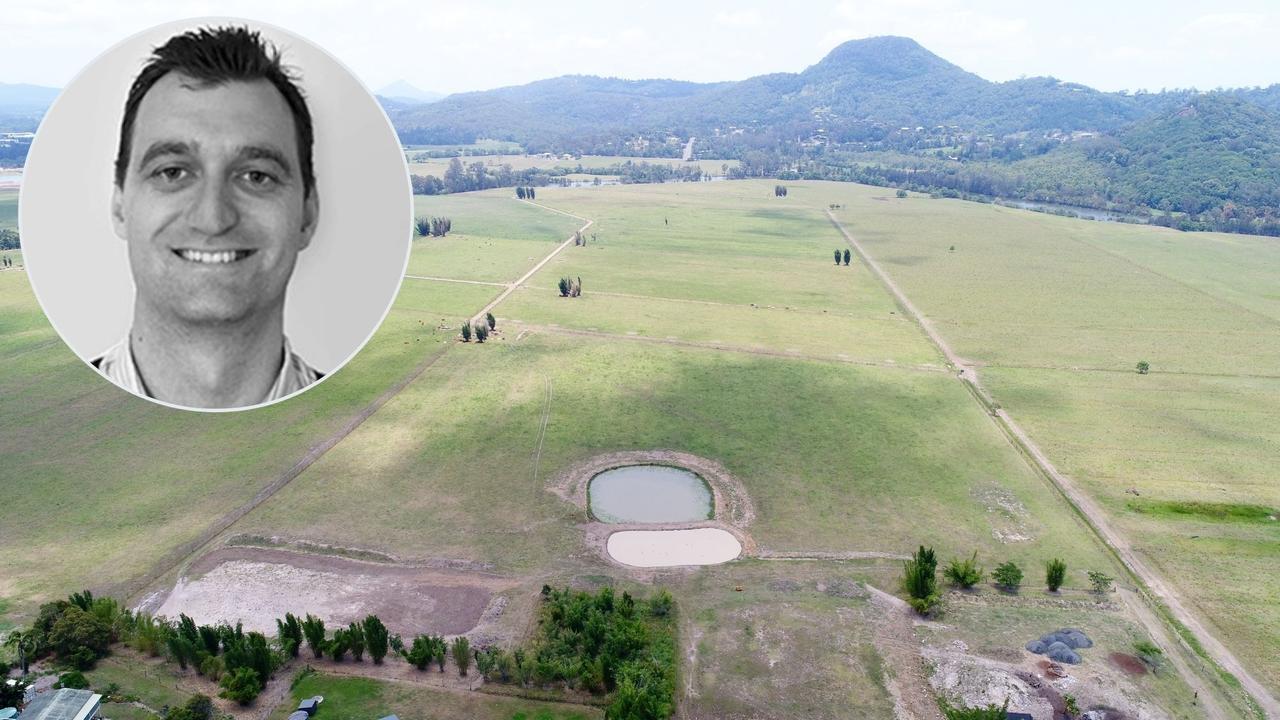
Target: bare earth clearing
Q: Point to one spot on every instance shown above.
(255, 586)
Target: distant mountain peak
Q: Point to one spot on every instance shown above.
(887, 57)
(403, 91)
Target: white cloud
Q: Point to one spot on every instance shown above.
(740, 18)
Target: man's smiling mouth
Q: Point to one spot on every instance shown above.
(212, 257)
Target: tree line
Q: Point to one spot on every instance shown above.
(432, 226)
(599, 642)
(920, 577)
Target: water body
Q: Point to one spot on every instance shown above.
(649, 494)
(1085, 213)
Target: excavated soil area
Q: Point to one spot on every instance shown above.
(255, 586)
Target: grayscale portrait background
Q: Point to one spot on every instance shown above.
(343, 284)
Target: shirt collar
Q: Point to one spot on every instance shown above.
(118, 365)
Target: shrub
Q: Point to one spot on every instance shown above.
(242, 685)
(313, 629)
(1055, 572)
(423, 226)
(1100, 581)
(11, 695)
(964, 573)
(491, 320)
(1008, 576)
(660, 604)
(420, 653)
(375, 638)
(212, 667)
(1143, 367)
(355, 641)
(337, 647)
(73, 679)
(466, 331)
(481, 331)
(79, 638)
(987, 712)
(1149, 653)
(920, 580)
(290, 632)
(901, 193)
(197, 707)
(461, 650)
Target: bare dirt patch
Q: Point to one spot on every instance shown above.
(256, 586)
(1130, 664)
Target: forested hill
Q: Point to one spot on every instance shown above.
(890, 81)
(887, 110)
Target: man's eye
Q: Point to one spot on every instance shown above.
(171, 174)
(258, 178)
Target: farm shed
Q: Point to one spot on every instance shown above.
(64, 704)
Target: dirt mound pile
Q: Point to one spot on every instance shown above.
(1061, 645)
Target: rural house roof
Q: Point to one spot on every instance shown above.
(63, 704)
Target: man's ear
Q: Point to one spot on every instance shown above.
(117, 213)
(310, 216)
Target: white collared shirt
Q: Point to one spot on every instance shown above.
(118, 366)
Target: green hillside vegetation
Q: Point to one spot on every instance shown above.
(1195, 161)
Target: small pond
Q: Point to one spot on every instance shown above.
(649, 494)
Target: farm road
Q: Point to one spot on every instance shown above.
(1095, 518)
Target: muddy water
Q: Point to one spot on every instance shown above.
(649, 494)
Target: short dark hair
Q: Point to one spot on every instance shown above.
(214, 56)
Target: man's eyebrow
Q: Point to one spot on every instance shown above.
(260, 152)
(164, 147)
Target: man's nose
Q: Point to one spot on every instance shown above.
(214, 211)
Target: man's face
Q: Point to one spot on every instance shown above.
(213, 205)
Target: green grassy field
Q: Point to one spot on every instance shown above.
(1058, 312)
(351, 698)
(712, 322)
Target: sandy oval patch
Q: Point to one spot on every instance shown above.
(673, 548)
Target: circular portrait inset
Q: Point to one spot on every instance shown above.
(216, 214)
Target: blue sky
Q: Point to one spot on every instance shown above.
(479, 44)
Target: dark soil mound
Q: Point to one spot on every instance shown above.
(1131, 665)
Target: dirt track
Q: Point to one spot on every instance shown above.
(1095, 518)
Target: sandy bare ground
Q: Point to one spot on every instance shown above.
(255, 586)
(673, 548)
(1095, 518)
